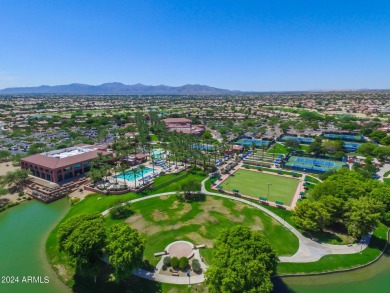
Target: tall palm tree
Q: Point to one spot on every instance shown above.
(122, 170)
(135, 171)
(142, 169)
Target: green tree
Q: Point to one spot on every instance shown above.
(243, 262)
(189, 187)
(17, 179)
(385, 140)
(4, 155)
(125, 249)
(311, 216)
(366, 149)
(292, 144)
(207, 135)
(378, 135)
(363, 215)
(316, 147)
(183, 263)
(82, 239)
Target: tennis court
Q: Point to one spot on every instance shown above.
(351, 146)
(249, 142)
(256, 184)
(344, 136)
(305, 140)
(313, 165)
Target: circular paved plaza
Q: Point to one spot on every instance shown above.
(181, 249)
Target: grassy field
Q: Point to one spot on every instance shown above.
(164, 220)
(278, 148)
(255, 184)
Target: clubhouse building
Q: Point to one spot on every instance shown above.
(65, 164)
(183, 125)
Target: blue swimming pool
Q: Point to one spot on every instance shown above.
(129, 175)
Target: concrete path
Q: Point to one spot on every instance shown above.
(308, 251)
(382, 171)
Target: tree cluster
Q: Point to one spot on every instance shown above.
(346, 198)
(243, 262)
(85, 241)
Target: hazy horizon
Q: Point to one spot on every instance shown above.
(247, 46)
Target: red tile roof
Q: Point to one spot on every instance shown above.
(54, 163)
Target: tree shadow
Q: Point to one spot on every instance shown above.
(280, 286)
(134, 284)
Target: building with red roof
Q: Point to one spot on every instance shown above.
(64, 164)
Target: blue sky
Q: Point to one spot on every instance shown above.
(244, 45)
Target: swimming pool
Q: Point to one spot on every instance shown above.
(129, 175)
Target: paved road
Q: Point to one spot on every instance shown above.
(382, 171)
(308, 251)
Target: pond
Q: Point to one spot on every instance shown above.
(23, 231)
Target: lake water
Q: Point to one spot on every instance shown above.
(24, 229)
(23, 233)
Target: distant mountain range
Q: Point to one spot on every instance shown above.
(116, 88)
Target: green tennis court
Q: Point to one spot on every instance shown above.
(256, 184)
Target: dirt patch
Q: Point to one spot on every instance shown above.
(239, 206)
(61, 271)
(198, 239)
(216, 205)
(159, 216)
(139, 223)
(164, 197)
(258, 224)
(187, 208)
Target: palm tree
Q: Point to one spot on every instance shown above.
(142, 169)
(122, 170)
(135, 171)
(95, 175)
(153, 159)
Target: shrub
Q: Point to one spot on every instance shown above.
(21, 193)
(121, 212)
(175, 262)
(75, 200)
(196, 266)
(164, 267)
(167, 261)
(183, 263)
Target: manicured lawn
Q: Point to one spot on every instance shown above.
(344, 261)
(278, 148)
(386, 181)
(164, 220)
(313, 179)
(153, 137)
(256, 184)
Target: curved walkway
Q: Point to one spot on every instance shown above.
(308, 251)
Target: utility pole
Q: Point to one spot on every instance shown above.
(268, 190)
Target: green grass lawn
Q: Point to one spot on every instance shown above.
(386, 181)
(278, 148)
(255, 184)
(153, 137)
(164, 220)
